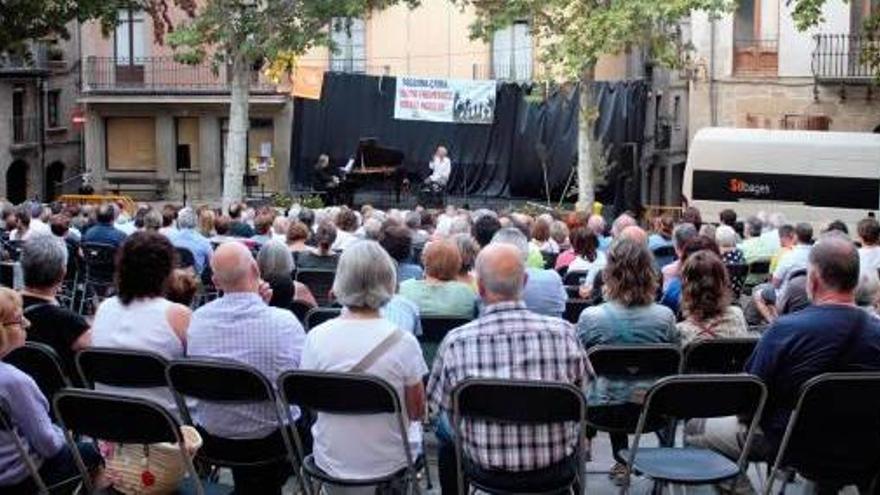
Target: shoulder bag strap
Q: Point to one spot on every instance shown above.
(380, 350)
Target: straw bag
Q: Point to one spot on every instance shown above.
(152, 469)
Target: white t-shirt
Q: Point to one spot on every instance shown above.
(343, 240)
(869, 259)
(591, 268)
(442, 169)
(360, 447)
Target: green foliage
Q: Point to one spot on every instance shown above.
(573, 34)
(313, 202)
(25, 20)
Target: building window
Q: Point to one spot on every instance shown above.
(676, 112)
(512, 52)
(129, 48)
(349, 54)
(860, 10)
(53, 108)
(756, 37)
(187, 143)
(131, 143)
(18, 130)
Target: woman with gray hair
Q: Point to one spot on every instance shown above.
(44, 263)
(276, 267)
(725, 236)
(367, 446)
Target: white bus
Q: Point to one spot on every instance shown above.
(807, 176)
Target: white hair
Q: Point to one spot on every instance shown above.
(514, 237)
(725, 236)
(365, 277)
(275, 259)
(186, 219)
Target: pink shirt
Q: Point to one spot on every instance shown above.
(565, 258)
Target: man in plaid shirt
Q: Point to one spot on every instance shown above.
(507, 341)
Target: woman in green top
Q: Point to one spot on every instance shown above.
(440, 294)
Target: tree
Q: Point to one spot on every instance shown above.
(25, 20)
(573, 34)
(243, 35)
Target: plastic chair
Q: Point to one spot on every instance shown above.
(722, 356)
(518, 403)
(349, 394)
(22, 448)
(222, 383)
(120, 419)
(695, 396)
(317, 316)
(320, 282)
(99, 260)
(833, 433)
(41, 363)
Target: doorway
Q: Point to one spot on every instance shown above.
(54, 177)
(16, 182)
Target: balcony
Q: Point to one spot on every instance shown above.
(25, 132)
(756, 57)
(159, 76)
(33, 63)
(838, 58)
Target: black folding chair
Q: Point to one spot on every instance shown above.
(695, 396)
(41, 363)
(348, 394)
(317, 316)
(320, 282)
(99, 260)
(300, 310)
(759, 273)
(640, 365)
(221, 383)
(434, 330)
(39, 485)
(833, 433)
(738, 273)
(185, 258)
(549, 260)
(721, 356)
(518, 403)
(120, 419)
(664, 255)
(67, 296)
(573, 309)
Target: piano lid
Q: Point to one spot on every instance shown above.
(371, 154)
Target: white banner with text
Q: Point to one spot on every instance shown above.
(456, 101)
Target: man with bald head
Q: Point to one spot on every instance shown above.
(242, 327)
(831, 335)
(507, 341)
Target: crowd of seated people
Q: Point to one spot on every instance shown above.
(512, 275)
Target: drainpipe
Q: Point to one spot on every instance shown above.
(713, 100)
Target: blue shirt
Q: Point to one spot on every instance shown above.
(403, 313)
(407, 271)
(104, 234)
(198, 244)
(802, 345)
(656, 241)
(544, 293)
(672, 295)
(242, 328)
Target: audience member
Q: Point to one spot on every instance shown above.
(263, 228)
(237, 226)
(541, 237)
(297, 235)
(322, 257)
(139, 317)
(103, 232)
(206, 222)
(27, 409)
(279, 228)
(276, 267)
(544, 292)
(754, 247)
(346, 226)
(770, 235)
(590, 261)
(182, 287)
(187, 237)
(869, 254)
(240, 326)
(397, 241)
(153, 221)
(559, 233)
(366, 447)
(671, 295)
(468, 249)
(485, 228)
(796, 259)
(832, 335)
(492, 347)
(680, 237)
(706, 300)
(440, 294)
(692, 216)
(836, 226)
(662, 235)
(728, 217)
(731, 255)
(44, 265)
(629, 316)
(787, 241)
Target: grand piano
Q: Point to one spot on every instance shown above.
(375, 164)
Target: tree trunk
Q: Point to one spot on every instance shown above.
(236, 138)
(586, 142)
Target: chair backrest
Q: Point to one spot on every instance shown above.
(664, 255)
(573, 309)
(759, 267)
(834, 430)
(634, 361)
(574, 279)
(185, 258)
(121, 367)
(737, 270)
(435, 328)
(42, 363)
(722, 355)
(319, 283)
(549, 260)
(7, 426)
(518, 401)
(300, 310)
(338, 393)
(219, 381)
(99, 260)
(316, 316)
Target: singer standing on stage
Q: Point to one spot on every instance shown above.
(441, 168)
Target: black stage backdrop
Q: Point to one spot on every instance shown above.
(499, 160)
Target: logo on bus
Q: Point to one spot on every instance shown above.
(742, 187)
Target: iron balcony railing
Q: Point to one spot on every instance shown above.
(838, 57)
(160, 75)
(35, 59)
